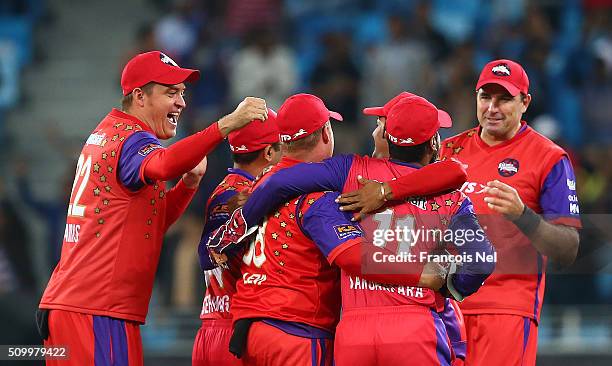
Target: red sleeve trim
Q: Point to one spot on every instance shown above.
(342, 248)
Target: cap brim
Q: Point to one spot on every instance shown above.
(444, 119)
(178, 75)
(374, 111)
(335, 115)
(513, 90)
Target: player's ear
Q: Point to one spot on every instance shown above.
(325, 134)
(268, 153)
(138, 97)
(525, 100)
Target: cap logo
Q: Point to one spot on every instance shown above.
(285, 138)
(395, 140)
(167, 60)
(508, 167)
(239, 148)
(299, 133)
(501, 70)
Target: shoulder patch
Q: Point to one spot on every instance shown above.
(147, 149)
(347, 231)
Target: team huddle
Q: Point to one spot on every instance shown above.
(302, 253)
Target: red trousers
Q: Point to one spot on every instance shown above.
(268, 345)
(391, 335)
(211, 346)
(498, 339)
(94, 340)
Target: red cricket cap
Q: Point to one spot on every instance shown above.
(255, 136)
(506, 73)
(412, 121)
(443, 117)
(156, 67)
(302, 114)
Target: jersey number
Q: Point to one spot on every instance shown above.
(405, 224)
(256, 254)
(81, 178)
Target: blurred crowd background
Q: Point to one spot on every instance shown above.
(60, 64)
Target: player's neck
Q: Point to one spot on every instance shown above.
(141, 116)
(253, 168)
(305, 156)
(493, 140)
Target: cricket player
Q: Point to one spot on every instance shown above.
(416, 120)
(119, 210)
(515, 172)
(253, 148)
(451, 314)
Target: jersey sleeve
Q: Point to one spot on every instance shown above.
(329, 228)
(558, 199)
(471, 241)
(430, 179)
(133, 152)
(217, 214)
(327, 175)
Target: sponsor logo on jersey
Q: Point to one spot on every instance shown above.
(571, 184)
(501, 70)
(220, 209)
(574, 208)
(472, 187)
(146, 150)
(347, 231)
(508, 167)
(95, 139)
(167, 60)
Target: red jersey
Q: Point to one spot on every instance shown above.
(286, 271)
(541, 173)
(221, 283)
(419, 214)
(113, 235)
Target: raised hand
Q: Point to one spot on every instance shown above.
(249, 109)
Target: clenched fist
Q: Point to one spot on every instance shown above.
(249, 109)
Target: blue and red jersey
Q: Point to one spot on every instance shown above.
(542, 174)
(287, 276)
(115, 223)
(220, 282)
(450, 211)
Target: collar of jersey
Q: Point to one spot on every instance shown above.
(522, 132)
(404, 163)
(119, 114)
(241, 172)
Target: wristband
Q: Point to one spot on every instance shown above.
(528, 222)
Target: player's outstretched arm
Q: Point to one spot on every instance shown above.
(431, 179)
(353, 261)
(288, 183)
(345, 245)
(185, 154)
(178, 198)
